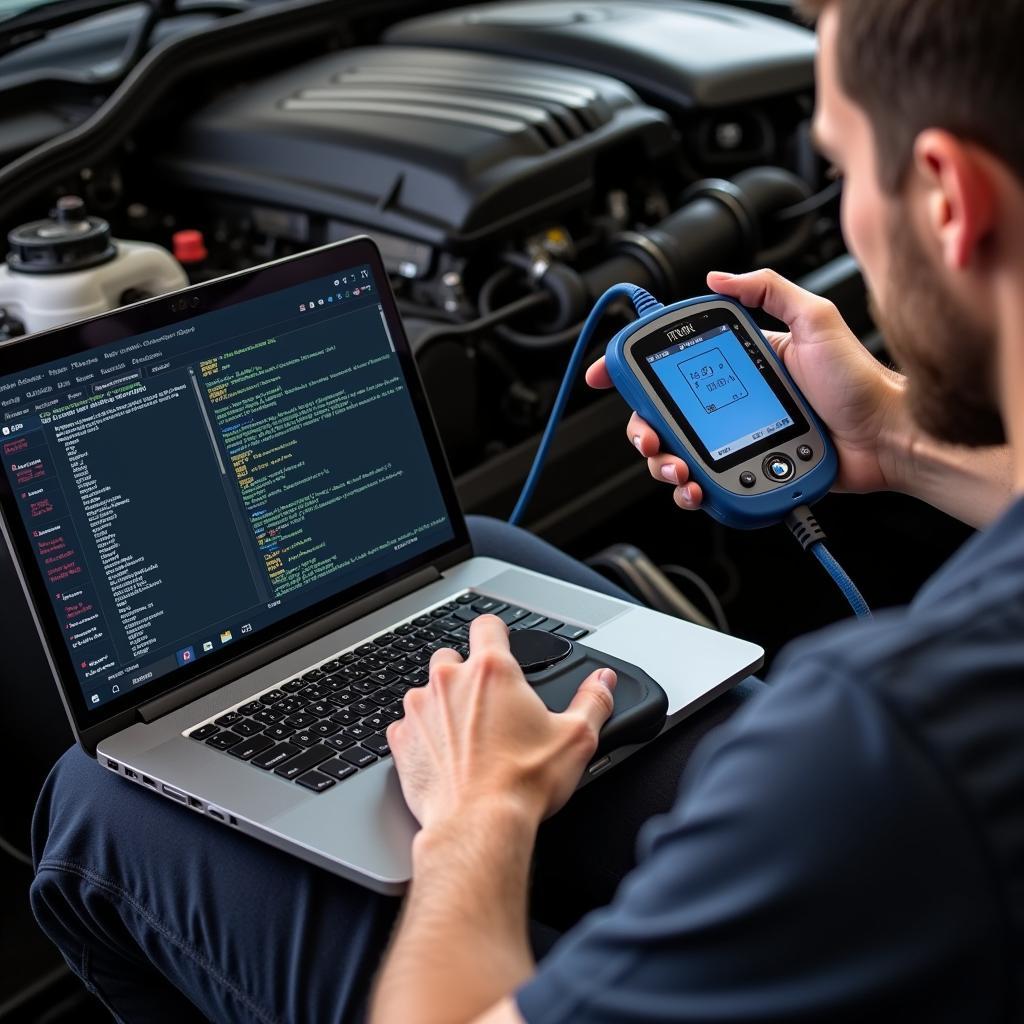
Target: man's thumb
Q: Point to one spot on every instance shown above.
(594, 700)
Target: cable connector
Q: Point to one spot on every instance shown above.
(802, 523)
(811, 537)
(644, 302)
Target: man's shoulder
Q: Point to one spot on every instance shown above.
(946, 680)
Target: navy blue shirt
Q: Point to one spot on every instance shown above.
(850, 846)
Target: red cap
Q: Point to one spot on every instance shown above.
(189, 246)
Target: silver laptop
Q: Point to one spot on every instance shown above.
(240, 540)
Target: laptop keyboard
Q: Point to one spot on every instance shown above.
(320, 727)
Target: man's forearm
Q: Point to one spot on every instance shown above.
(975, 485)
(461, 943)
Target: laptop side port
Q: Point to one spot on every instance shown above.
(148, 781)
(130, 773)
(216, 812)
(599, 765)
(113, 765)
(175, 794)
(196, 805)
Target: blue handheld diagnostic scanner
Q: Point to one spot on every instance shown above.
(709, 383)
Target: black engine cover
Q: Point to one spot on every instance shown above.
(681, 54)
(438, 147)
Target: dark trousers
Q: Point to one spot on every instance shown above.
(166, 916)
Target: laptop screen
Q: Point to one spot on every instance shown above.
(187, 488)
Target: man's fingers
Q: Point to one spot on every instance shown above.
(642, 437)
(767, 290)
(668, 469)
(594, 699)
(443, 656)
(487, 632)
(689, 497)
(598, 376)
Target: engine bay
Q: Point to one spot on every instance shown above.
(511, 159)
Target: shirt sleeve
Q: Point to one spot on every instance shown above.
(810, 870)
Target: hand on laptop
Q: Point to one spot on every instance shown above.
(860, 401)
(478, 735)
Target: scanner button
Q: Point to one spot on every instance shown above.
(805, 453)
(748, 480)
(778, 468)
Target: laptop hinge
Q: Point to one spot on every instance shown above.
(275, 649)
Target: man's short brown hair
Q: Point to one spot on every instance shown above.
(918, 64)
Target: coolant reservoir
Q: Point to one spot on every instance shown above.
(68, 267)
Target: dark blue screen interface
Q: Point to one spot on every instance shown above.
(189, 487)
(719, 385)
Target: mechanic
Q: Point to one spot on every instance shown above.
(850, 845)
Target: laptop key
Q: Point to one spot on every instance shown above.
(381, 698)
(550, 625)
(423, 620)
(408, 644)
(364, 649)
(467, 613)
(272, 697)
(418, 678)
(351, 673)
(340, 743)
(532, 621)
(384, 639)
(383, 677)
(571, 632)
(363, 687)
(275, 756)
(292, 685)
(322, 729)
(290, 705)
(268, 716)
(313, 675)
(357, 732)
(330, 666)
(224, 740)
(251, 708)
(344, 697)
(359, 756)
(394, 712)
(321, 709)
(488, 606)
(377, 745)
(251, 747)
(377, 722)
(278, 732)
(316, 781)
(309, 758)
(305, 739)
(300, 720)
(205, 731)
(344, 718)
(405, 629)
(337, 769)
(512, 614)
(247, 727)
(227, 720)
(467, 598)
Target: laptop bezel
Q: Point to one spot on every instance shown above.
(93, 725)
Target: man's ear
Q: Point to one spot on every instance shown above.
(959, 192)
